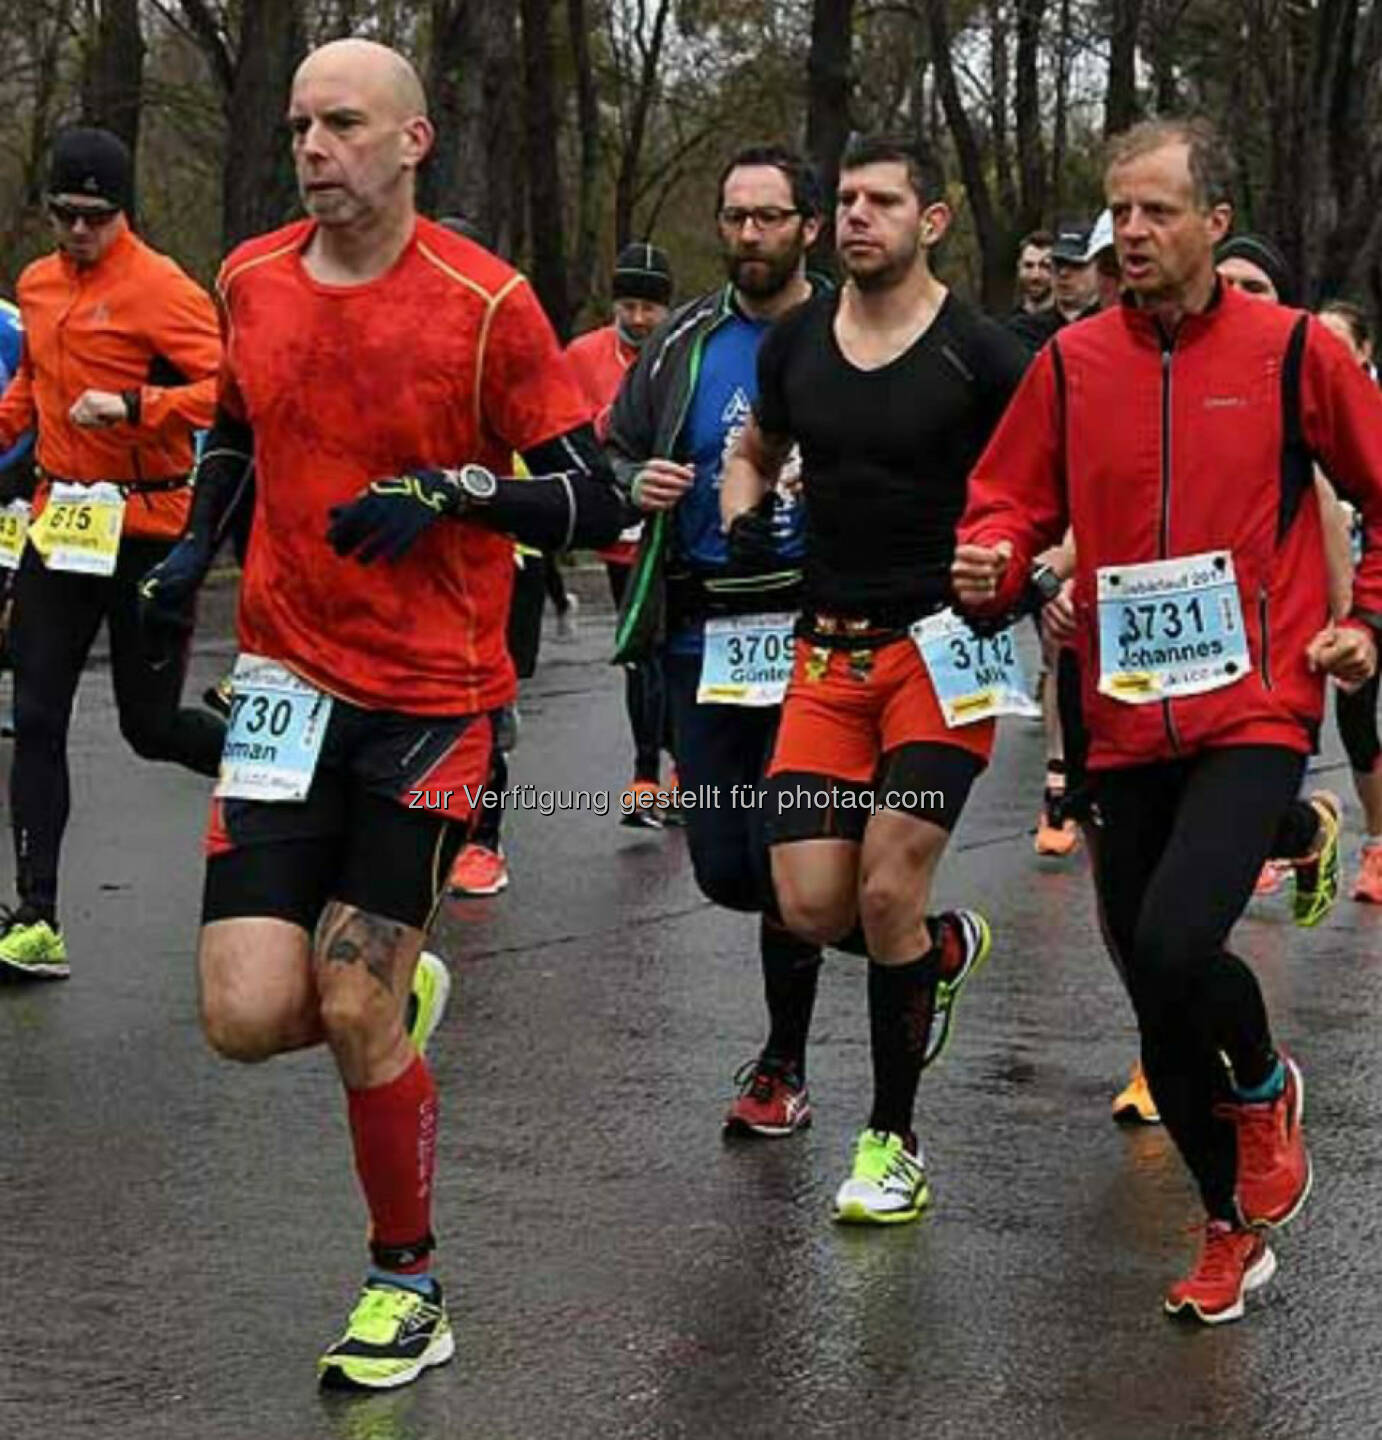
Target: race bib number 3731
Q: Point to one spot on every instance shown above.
(1170, 627)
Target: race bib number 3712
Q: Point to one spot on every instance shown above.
(976, 677)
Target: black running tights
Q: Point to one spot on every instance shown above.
(1179, 847)
(56, 617)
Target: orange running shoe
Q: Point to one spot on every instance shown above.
(478, 871)
(1133, 1104)
(1269, 878)
(1274, 1172)
(639, 806)
(1055, 839)
(1232, 1262)
(1368, 885)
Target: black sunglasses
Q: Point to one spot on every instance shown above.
(70, 214)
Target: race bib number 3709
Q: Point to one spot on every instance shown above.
(748, 660)
(1170, 627)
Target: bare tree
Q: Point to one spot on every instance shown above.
(472, 77)
(827, 106)
(637, 43)
(1120, 100)
(1031, 159)
(995, 270)
(252, 63)
(113, 75)
(998, 107)
(588, 145)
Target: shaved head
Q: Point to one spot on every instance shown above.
(358, 117)
(382, 75)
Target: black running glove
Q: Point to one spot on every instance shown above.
(752, 548)
(389, 515)
(166, 595)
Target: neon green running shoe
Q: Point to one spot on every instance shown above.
(31, 946)
(1317, 879)
(427, 999)
(887, 1185)
(392, 1336)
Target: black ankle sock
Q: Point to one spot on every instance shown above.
(901, 1007)
(791, 968)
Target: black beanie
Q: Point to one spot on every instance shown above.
(94, 163)
(642, 272)
(1259, 251)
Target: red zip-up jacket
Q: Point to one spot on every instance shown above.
(1152, 449)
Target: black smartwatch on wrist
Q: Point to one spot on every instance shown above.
(477, 484)
(1045, 582)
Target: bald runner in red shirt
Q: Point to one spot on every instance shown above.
(378, 371)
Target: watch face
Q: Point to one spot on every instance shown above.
(478, 483)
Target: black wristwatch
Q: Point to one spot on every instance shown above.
(478, 484)
(1045, 582)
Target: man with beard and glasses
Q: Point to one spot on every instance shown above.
(721, 619)
(890, 389)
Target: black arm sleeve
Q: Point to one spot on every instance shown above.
(223, 487)
(571, 498)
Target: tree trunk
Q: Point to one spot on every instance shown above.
(1060, 137)
(113, 76)
(996, 281)
(258, 187)
(472, 77)
(1162, 22)
(1031, 160)
(1120, 102)
(998, 108)
(544, 174)
(588, 135)
(254, 73)
(827, 109)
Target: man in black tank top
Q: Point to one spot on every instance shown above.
(891, 390)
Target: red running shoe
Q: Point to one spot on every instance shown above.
(772, 1102)
(1274, 1173)
(1232, 1262)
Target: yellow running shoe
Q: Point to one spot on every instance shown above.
(1317, 877)
(887, 1185)
(1133, 1104)
(392, 1336)
(32, 947)
(427, 1000)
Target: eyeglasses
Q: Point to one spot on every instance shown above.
(765, 217)
(70, 214)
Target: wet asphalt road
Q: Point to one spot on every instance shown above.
(182, 1236)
